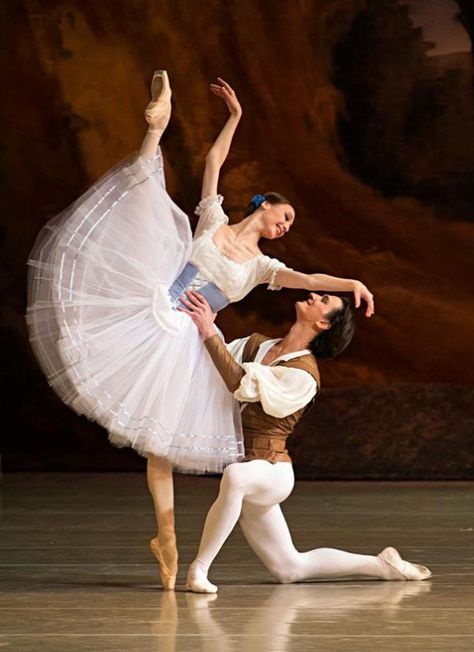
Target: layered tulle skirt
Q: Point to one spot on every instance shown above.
(105, 333)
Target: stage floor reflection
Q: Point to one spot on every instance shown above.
(75, 572)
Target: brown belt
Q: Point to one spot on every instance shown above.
(266, 443)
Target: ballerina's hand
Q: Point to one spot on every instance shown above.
(224, 91)
(200, 312)
(362, 292)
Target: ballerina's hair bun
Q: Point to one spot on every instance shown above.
(258, 199)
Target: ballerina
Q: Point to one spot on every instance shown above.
(105, 279)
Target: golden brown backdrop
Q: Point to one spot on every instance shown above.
(348, 112)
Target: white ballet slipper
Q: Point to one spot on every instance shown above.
(404, 570)
(200, 585)
(197, 582)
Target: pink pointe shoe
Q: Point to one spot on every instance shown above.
(167, 557)
(405, 570)
(158, 111)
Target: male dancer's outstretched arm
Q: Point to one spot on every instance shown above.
(254, 489)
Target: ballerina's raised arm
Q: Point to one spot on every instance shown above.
(269, 216)
(219, 151)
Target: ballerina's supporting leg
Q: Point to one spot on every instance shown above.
(163, 546)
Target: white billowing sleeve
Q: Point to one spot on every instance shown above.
(280, 390)
(210, 214)
(236, 348)
(268, 269)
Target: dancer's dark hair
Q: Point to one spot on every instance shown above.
(333, 341)
(271, 197)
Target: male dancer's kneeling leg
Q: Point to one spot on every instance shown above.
(276, 380)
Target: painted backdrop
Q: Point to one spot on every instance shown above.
(360, 111)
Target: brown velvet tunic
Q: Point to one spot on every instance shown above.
(264, 435)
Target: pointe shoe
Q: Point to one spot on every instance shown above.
(404, 569)
(168, 567)
(158, 111)
(160, 84)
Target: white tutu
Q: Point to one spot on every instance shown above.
(103, 330)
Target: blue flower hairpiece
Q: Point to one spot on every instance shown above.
(257, 200)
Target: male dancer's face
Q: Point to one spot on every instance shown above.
(317, 307)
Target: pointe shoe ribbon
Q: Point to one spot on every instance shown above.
(405, 569)
(158, 111)
(168, 567)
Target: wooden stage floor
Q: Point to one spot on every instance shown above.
(75, 572)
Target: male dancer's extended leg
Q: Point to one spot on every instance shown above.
(159, 473)
(267, 532)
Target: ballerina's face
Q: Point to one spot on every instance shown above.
(316, 309)
(276, 220)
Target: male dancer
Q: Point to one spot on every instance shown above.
(276, 381)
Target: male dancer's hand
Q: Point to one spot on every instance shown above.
(200, 312)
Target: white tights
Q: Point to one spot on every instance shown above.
(253, 491)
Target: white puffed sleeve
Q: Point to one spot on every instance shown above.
(280, 390)
(269, 268)
(210, 214)
(236, 348)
